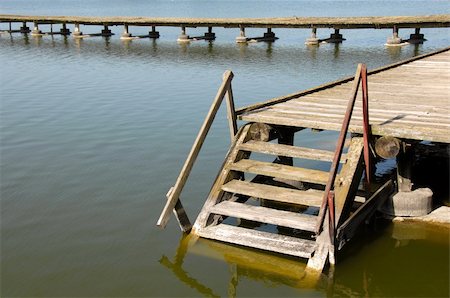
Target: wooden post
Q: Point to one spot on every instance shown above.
(231, 111)
(193, 154)
(404, 167)
(387, 147)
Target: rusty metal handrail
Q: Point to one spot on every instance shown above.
(174, 194)
(328, 197)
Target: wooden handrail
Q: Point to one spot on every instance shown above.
(339, 148)
(174, 195)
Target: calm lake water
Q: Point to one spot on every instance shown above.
(95, 131)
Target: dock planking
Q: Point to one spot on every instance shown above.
(408, 101)
(427, 21)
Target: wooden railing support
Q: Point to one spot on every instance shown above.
(328, 198)
(339, 147)
(174, 195)
(231, 110)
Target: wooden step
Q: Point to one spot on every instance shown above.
(266, 215)
(262, 240)
(275, 193)
(288, 151)
(280, 171)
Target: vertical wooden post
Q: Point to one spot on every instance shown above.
(404, 167)
(231, 111)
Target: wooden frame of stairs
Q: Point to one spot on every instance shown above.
(279, 206)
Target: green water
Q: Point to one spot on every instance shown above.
(95, 131)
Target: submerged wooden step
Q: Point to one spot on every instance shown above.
(266, 215)
(288, 151)
(262, 240)
(275, 193)
(280, 171)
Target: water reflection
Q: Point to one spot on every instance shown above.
(381, 265)
(243, 263)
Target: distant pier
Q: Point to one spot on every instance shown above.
(20, 24)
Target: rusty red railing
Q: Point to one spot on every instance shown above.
(328, 197)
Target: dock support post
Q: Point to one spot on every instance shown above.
(64, 30)
(36, 31)
(106, 32)
(335, 37)
(404, 166)
(394, 40)
(312, 40)
(416, 38)
(241, 38)
(408, 202)
(269, 35)
(125, 34)
(24, 28)
(10, 27)
(183, 36)
(210, 35)
(153, 33)
(76, 30)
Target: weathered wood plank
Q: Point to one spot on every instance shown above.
(233, 155)
(262, 240)
(349, 180)
(193, 154)
(287, 150)
(329, 86)
(399, 131)
(266, 215)
(280, 171)
(280, 194)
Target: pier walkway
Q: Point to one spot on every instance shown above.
(313, 23)
(407, 101)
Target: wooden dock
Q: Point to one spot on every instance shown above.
(312, 23)
(309, 213)
(407, 101)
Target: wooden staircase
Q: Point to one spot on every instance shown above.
(272, 204)
(286, 216)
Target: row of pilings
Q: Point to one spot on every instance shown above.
(268, 36)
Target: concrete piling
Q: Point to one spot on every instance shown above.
(36, 31)
(335, 37)
(241, 38)
(183, 37)
(64, 30)
(416, 37)
(76, 31)
(312, 40)
(394, 40)
(209, 35)
(269, 35)
(106, 32)
(24, 28)
(125, 34)
(153, 33)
